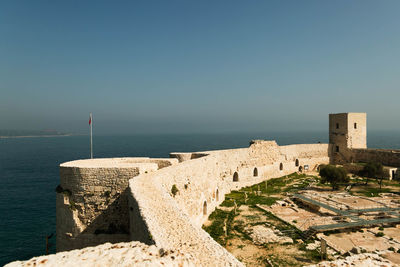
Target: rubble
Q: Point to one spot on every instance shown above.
(313, 246)
(119, 254)
(260, 235)
(366, 259)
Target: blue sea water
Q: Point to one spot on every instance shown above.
(29, 174)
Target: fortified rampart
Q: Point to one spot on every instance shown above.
(92, 199)
(348, 139)
(175, 222)
(385, 156)
(92, 204)
(131, 199)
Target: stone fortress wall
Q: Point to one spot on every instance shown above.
(348, 139)
(130, 199)
(385, 156)
(202, 184)
(92, 199)
(100, 212)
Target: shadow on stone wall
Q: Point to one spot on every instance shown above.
(138, 227)
(111, 225)
(114, 219)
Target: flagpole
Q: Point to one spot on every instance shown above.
(91, 136)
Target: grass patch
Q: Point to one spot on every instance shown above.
(372, 192)
(228, 203)
(264, 193)
(314, 255)
(253, 200)
(216, 229)
(281, 184)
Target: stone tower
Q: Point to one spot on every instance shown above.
(347, 130)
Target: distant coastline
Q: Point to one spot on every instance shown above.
(35, 136)
(14, 133)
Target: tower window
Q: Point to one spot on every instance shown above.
(355, 125)
(337, 148)
(337, 125)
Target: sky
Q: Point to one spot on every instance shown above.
(197, 66)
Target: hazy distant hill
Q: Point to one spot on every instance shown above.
(16, 133)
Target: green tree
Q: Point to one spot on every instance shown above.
(333, 175)
(373, 170)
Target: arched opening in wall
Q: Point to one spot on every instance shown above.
(255, 172)
(281, 167)
(205, 208)
(217, 195)
(300, 168)
(297, 163)
(236, 177)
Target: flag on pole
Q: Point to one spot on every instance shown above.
(91, 135)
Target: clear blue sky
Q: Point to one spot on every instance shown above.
(197, 66)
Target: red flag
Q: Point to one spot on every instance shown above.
(90, 119)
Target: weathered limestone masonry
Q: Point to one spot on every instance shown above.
(131, 199)
(203, 182)
(111, 255)
(347, 131)
(385, 156)
(92, 201)
(348, 139)
(92, 204)
(175, 222)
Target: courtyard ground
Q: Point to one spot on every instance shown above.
(263, 225)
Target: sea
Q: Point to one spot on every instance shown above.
(29, 174)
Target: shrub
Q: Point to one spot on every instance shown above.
(61, 190)
(72, 205)
(379, 234)
(174, 190)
